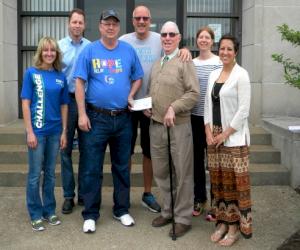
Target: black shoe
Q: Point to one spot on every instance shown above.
(67, 207)
(80, 202)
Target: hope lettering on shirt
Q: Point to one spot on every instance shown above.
(108, 66)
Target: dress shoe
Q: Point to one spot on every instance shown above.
(89, 226)
(180, 229)
(67, 207)
(161, 221)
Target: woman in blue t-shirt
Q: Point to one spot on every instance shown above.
(44, 104)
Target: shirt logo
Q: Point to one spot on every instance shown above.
(39, 116)
(108, 66)
(109, 80)
(59, 82)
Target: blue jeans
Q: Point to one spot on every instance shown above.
(116, 131)
(42, 158)
(67, 173)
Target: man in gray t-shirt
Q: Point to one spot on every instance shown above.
(148, 47)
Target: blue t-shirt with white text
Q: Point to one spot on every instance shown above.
(109, 73)
(47, 90)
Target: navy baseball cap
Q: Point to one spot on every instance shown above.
(109, 13)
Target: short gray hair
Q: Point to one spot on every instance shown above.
(171, 24)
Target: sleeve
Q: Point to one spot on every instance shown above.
(190, 97)
(82, 64)
(244, 95)
(27, 86)
(65, 93)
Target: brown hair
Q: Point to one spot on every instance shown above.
(78, 11)
(208, 29)
(38, 60)
(232, 38)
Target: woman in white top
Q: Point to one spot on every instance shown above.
(226, 112)
(205, 63)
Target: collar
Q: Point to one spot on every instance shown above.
(173, 54)
(72, 42)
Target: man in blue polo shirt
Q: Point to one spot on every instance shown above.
(113, 72)
(71, 46)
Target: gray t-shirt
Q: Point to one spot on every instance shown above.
(148, 50)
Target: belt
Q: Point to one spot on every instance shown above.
(72, 95)
(111, 112)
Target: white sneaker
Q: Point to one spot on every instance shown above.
(126, 220)
(89, 226)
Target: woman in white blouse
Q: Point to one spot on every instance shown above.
(226, 112)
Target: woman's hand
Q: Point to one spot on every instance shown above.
(219, 139)
(31, 140)
(210, 140)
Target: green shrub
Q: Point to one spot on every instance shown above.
(291, 69)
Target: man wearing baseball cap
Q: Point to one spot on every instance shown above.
(113, 72)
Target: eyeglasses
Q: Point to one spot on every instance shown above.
(171, 34)
(139, 18)
(107, 25)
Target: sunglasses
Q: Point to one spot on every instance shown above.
(139, 18)
(171, 34)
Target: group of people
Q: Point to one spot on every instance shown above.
(199, 110)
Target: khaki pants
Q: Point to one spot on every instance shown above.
(183, 179)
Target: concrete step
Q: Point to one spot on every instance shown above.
(17, 154)
(13, 134)
(15, 175)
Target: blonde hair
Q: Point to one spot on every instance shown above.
(38, 60)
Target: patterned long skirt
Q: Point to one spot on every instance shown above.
(230, 183)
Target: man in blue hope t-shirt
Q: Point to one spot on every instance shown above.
(113, 72)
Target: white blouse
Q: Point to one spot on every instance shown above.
(234, 103)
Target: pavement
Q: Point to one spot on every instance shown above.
(276, 216)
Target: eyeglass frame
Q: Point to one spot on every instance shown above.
(109, 24)
(170, 34)
(139, 18)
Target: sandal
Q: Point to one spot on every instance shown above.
(218, 234)
(229, 239)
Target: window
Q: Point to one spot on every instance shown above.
(223, 16)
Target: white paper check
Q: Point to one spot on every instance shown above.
(142, 104)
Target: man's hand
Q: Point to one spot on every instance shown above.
(84, 123)
(130, 103)
(169, 118)
(185, 55)
(148, 112)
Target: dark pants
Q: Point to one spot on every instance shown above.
(116, 132)
(139, 117)
(67, 171)
(199, 140)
